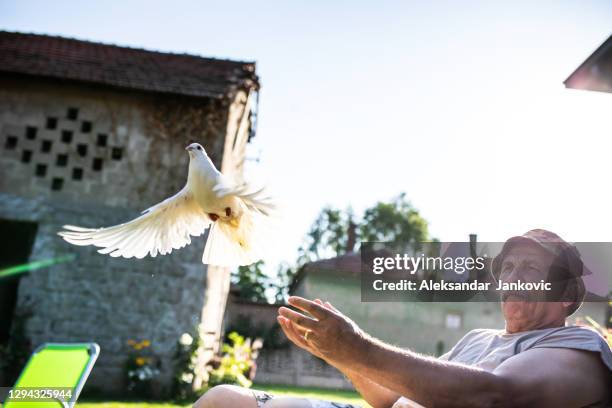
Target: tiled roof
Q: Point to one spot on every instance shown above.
(122, 67)
(347, 264)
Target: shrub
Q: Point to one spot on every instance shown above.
(237, 365)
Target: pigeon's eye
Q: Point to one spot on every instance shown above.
(199, 147)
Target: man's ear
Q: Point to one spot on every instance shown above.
(573, 290)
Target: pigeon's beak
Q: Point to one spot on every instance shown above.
(189, 148)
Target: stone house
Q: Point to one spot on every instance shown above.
(92, 134)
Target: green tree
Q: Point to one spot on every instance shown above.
(335, 232)
(284, 278)
(328, 235)
(252, 282)
(396, 222)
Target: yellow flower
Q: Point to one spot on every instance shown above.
(131, 342)
(145, 343)
(140, 361)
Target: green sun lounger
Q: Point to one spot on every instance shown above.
(55, 370)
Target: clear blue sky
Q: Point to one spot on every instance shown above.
(459, 104)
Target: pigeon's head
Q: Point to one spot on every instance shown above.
(195, 150)
(198, 159)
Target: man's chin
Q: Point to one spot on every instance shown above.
(516, 308)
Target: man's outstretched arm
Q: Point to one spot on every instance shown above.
(432, 382)
(542, 377)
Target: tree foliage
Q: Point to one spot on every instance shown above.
(396, 222)
(252, 282)
(328, 235)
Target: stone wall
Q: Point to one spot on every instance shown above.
(288, 365)
(296, 367)
(93, 157)
(73, 142)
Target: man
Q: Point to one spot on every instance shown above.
(537, 361)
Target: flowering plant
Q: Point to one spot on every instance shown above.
(237, 365)
(141, 368)
(186, 367)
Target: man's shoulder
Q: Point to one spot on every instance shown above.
(577, 338)
(572, 333)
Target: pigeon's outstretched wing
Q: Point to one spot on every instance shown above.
(160, 229)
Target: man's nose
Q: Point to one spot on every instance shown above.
(515, 275)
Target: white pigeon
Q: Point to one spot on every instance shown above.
(238, 217)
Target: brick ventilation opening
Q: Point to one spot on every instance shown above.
(11, 143)
(26, 156)
(46, 145)
(97, 164)
(72, 114)
(31, 132)
(66, 136)
(62, 160)
(117, 153)
(51, 123)
(86, 126)
(82, 150)
(41, 170)
(77, 173)
(102, 139)
(94, 140)
(57, 184)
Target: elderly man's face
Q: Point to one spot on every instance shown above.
(528, 310)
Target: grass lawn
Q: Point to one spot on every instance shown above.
(317, 393)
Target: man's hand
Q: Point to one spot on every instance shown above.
(331, 335)
(376, 395)
(297, 334)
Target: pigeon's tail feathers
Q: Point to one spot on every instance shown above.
(160, 229)
(236, 244)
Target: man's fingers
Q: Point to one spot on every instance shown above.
(315, 309)
(284, 324)
(291, 332)
(298, 318)
(299, 334)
